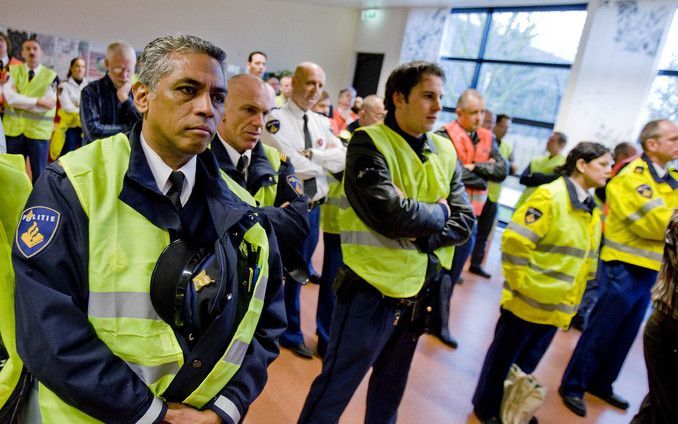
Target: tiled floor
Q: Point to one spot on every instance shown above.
(442, 380)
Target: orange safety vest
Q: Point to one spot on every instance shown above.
(469, 153)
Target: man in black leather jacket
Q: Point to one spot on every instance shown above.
(373, 326)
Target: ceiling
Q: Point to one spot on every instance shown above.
(366, 4)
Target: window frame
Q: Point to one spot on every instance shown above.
(480, 59)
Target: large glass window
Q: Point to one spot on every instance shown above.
(519, 59)
(663, 99)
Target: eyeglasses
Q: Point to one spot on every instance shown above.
(120, 70)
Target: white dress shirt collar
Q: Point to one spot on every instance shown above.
(161, 172)
(582, 194)
(5, 60)
(36, 70)
(661, 172)
(234, 155)
(296, 110)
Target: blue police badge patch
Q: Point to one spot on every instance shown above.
(36, 229)
(644, 190)
(273, 126)
(532, 215)
(295, 183)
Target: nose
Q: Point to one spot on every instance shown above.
(259, 120)
(203, 105)
(437, 104)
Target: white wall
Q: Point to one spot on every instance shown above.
(383, 34)
(288, 32)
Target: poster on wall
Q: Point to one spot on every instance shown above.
(59, 51)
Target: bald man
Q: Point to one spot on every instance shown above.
(107, 105)
(371, 112)
(262, 170)
(307, 140)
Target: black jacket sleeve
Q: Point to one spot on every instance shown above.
(530, 179)
(92, 111)
(492, 171)
(290, 222)
(372, 195)
(460, 223)
(54, 337)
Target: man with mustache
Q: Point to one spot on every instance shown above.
(307, 140)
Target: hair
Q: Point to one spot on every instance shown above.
(9, 43)
(249, 58)
(586, 150)
(157, 59)
(71, 65)
(562, 138)
(350, 90)
(405, 77)
(466, 95)
(324, 95)
(501, 117)
(119, 48)
(32, 40)
(622, 149)
(650, 130)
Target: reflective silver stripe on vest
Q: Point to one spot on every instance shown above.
(260, 290)
(227, 406)
(563, 250)
(593, 255)
(343, 202)
(374, 239)
(513, 259)
(152, 413)
(640, 213)
(151, 374)
(236, 353)
(549, 307)
(524, 231)
(553, 274)
(333, 201)
(28, 115)
(121, 305)
(633, 250)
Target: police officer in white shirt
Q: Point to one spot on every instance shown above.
(306, 138)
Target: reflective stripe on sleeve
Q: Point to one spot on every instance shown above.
(553, 274)
(228, 407)
(524, 231)
(549, 307)
(150, 374)
(152, 413)
(563, 250)
(643, 210)
(513, 259)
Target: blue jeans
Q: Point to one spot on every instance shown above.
(35, 150)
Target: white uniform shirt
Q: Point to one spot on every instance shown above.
(285, 131)
(161, 172)
(20, 101)
(69, 94)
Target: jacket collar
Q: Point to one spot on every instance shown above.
(141, 192)
(587, 206)
(668, 178)
(259, 169)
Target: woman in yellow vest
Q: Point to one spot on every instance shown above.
(68, 135)
(549, 252)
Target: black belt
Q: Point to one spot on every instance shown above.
(314, 203)
(664, 321)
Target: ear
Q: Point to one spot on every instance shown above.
(398, 99)
(581, 165)
(142, 94)
(106, 63)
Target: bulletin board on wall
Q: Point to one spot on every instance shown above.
(58, 51)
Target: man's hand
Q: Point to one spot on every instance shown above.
(307, 153)
(46, 102)
(470, 166)
(123, 91)
(443, 201)
(178, 413)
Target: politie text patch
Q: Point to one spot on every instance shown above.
(36, 229)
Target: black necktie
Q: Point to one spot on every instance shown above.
(31, 74)
(176, 178)
(474, 137)
(310, 186)
(2, 65)
(242, 166)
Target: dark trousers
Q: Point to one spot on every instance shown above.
(293, 335)
(485, 223)
(589, 299)
(363, 336)
(660, 344)
(73, 140)
(461, 253)
(516, 341)
(332, 260)
(603, 346)
(35, 150)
